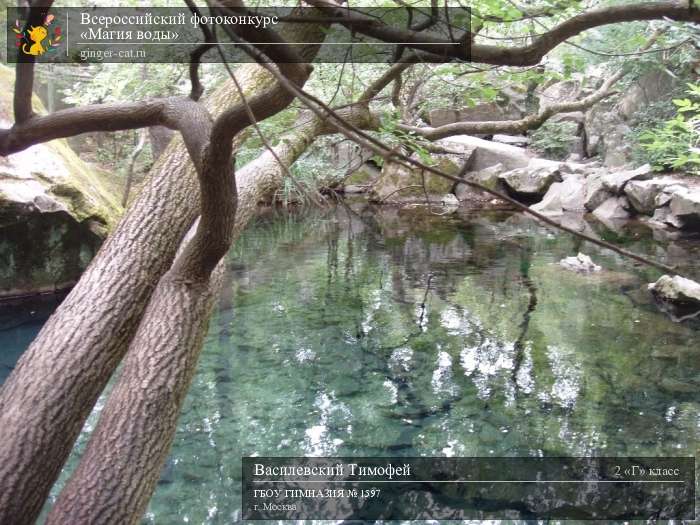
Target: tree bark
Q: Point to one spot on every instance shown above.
(57, 381)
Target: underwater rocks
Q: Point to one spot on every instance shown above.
(581, 264)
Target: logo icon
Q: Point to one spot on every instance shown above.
(31, 41)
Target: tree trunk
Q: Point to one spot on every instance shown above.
(57, 381)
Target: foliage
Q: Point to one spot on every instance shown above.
(673, 144)
(554, 139)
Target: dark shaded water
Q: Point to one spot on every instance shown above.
(359, 334)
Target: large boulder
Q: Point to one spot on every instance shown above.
(480, 112)
(532, 182)
(596, 193)
(685, 205)
(606, 134)
(399, 184)
(485, 153)
(568, 195)
(642, 194)
(488, 177)
(650, 87)
(612, 212)
(54, 210)
(616, 181)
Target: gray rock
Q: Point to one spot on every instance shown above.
(642, 193)
(612, 210)
(489, 111)
(55, 210)
(596, 194)
(581, 264)
(664, 198)
(531, 182)
(676, 290)
(519, 140)
(616, 182)
(485, 153)
(487, 177)
(686, 207)
(568, 195)
(606, 133)
(650, 87)
(663, 217)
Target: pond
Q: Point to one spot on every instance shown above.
(365, 332)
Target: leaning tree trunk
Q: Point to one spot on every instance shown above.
(122, 462)
(44, 403)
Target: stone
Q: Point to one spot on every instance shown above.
(520, 140)
(486, 153)
(488, 177)
(612, 210)
(480, 112)
(531, 182)
(568, 195)
(606, 133)
(581, 264)
(55, 210)
(667, 193)
(653, 86)
(563, 91)
(399, 184)
(686, 207)
(642, 193)
(615, 182)
(676, 289)
(596, 194)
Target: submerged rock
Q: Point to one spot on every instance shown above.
(581, 264)
(676, 289)
(677, 296)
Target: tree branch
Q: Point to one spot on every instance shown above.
(526, 55)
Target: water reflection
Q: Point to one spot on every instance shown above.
(379, 333)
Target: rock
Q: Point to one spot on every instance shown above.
(487, 177)
(480, 112)
(663, 217)
(653, 86)
(677, 290)
(520, 140)
(568, 195)
(355, 188)
(55, 210)
(578, 117)
(642, 193)
(686, 207)
(581, 264)
(563, 91)
(616, 182)
(596, 194)
(612, 210)
(606, 132)
(485, 153)
(400, 184)
(530, 183)
(667, 193)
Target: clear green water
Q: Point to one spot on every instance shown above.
(360, 334)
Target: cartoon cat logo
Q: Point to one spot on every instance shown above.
(36, 35)
(31, 41)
